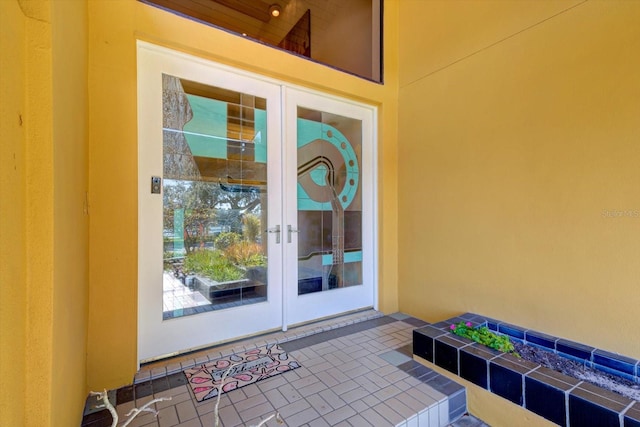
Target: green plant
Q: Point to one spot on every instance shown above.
(246, 254)
(226, 239)
(212, 264)
(482, 335)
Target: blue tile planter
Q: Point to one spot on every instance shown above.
(474, 364)
(547, 392)
(591, 406)
(506, 377)
(560, 399)
(632, 417)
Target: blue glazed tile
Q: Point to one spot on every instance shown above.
(590, 406)
(475, 319)
(446, 325)
(585, 413)
(474, 363)
(409, 366)
(574, 349)
(576, 359)
(545, 400)
(446, 354)
(444, 385)
(540, 339)
(613, 372)
(454, 414)
(512, 330)
(505, 382)
(422, 346)
(632, 416)
(545, 394)
(428, 376)
(615, 361)
(610, 396)
(474, 367)
(423, 341)
(518, 340)
(454, 320)
(457, 400)
(414, 369)
(468, 316)
(554, 378)
(560, 399)
(506, 377)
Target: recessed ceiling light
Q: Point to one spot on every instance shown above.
(275, 10)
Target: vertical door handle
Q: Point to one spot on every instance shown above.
(276, 230)
(289, 231)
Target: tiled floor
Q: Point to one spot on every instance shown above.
(177, 296)
(179, 300)
(357, 370)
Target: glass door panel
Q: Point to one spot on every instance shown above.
(332, 213)
(214, 198)
(329, 201)
(208, 270)
(261, 211)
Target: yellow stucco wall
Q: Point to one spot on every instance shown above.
(517, 194)
(114, 28)
(44, 231)
(39, 212)
(70, 212)
(519, 147)
(13, 295)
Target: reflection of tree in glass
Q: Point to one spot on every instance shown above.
(198, 201)
(233, 206)
(208, 210)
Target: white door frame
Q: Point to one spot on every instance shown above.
(158, 338)
(316, 305)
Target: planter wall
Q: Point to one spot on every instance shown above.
(558, 398)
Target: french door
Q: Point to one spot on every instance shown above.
(255, 204)
(328, 161)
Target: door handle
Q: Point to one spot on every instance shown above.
(276, 230)
(289, 231)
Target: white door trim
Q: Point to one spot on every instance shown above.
(152, 62)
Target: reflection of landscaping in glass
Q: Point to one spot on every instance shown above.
(214, 198)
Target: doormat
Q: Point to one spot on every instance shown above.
(244, 369)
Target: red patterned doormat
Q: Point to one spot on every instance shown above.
(244, 369)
